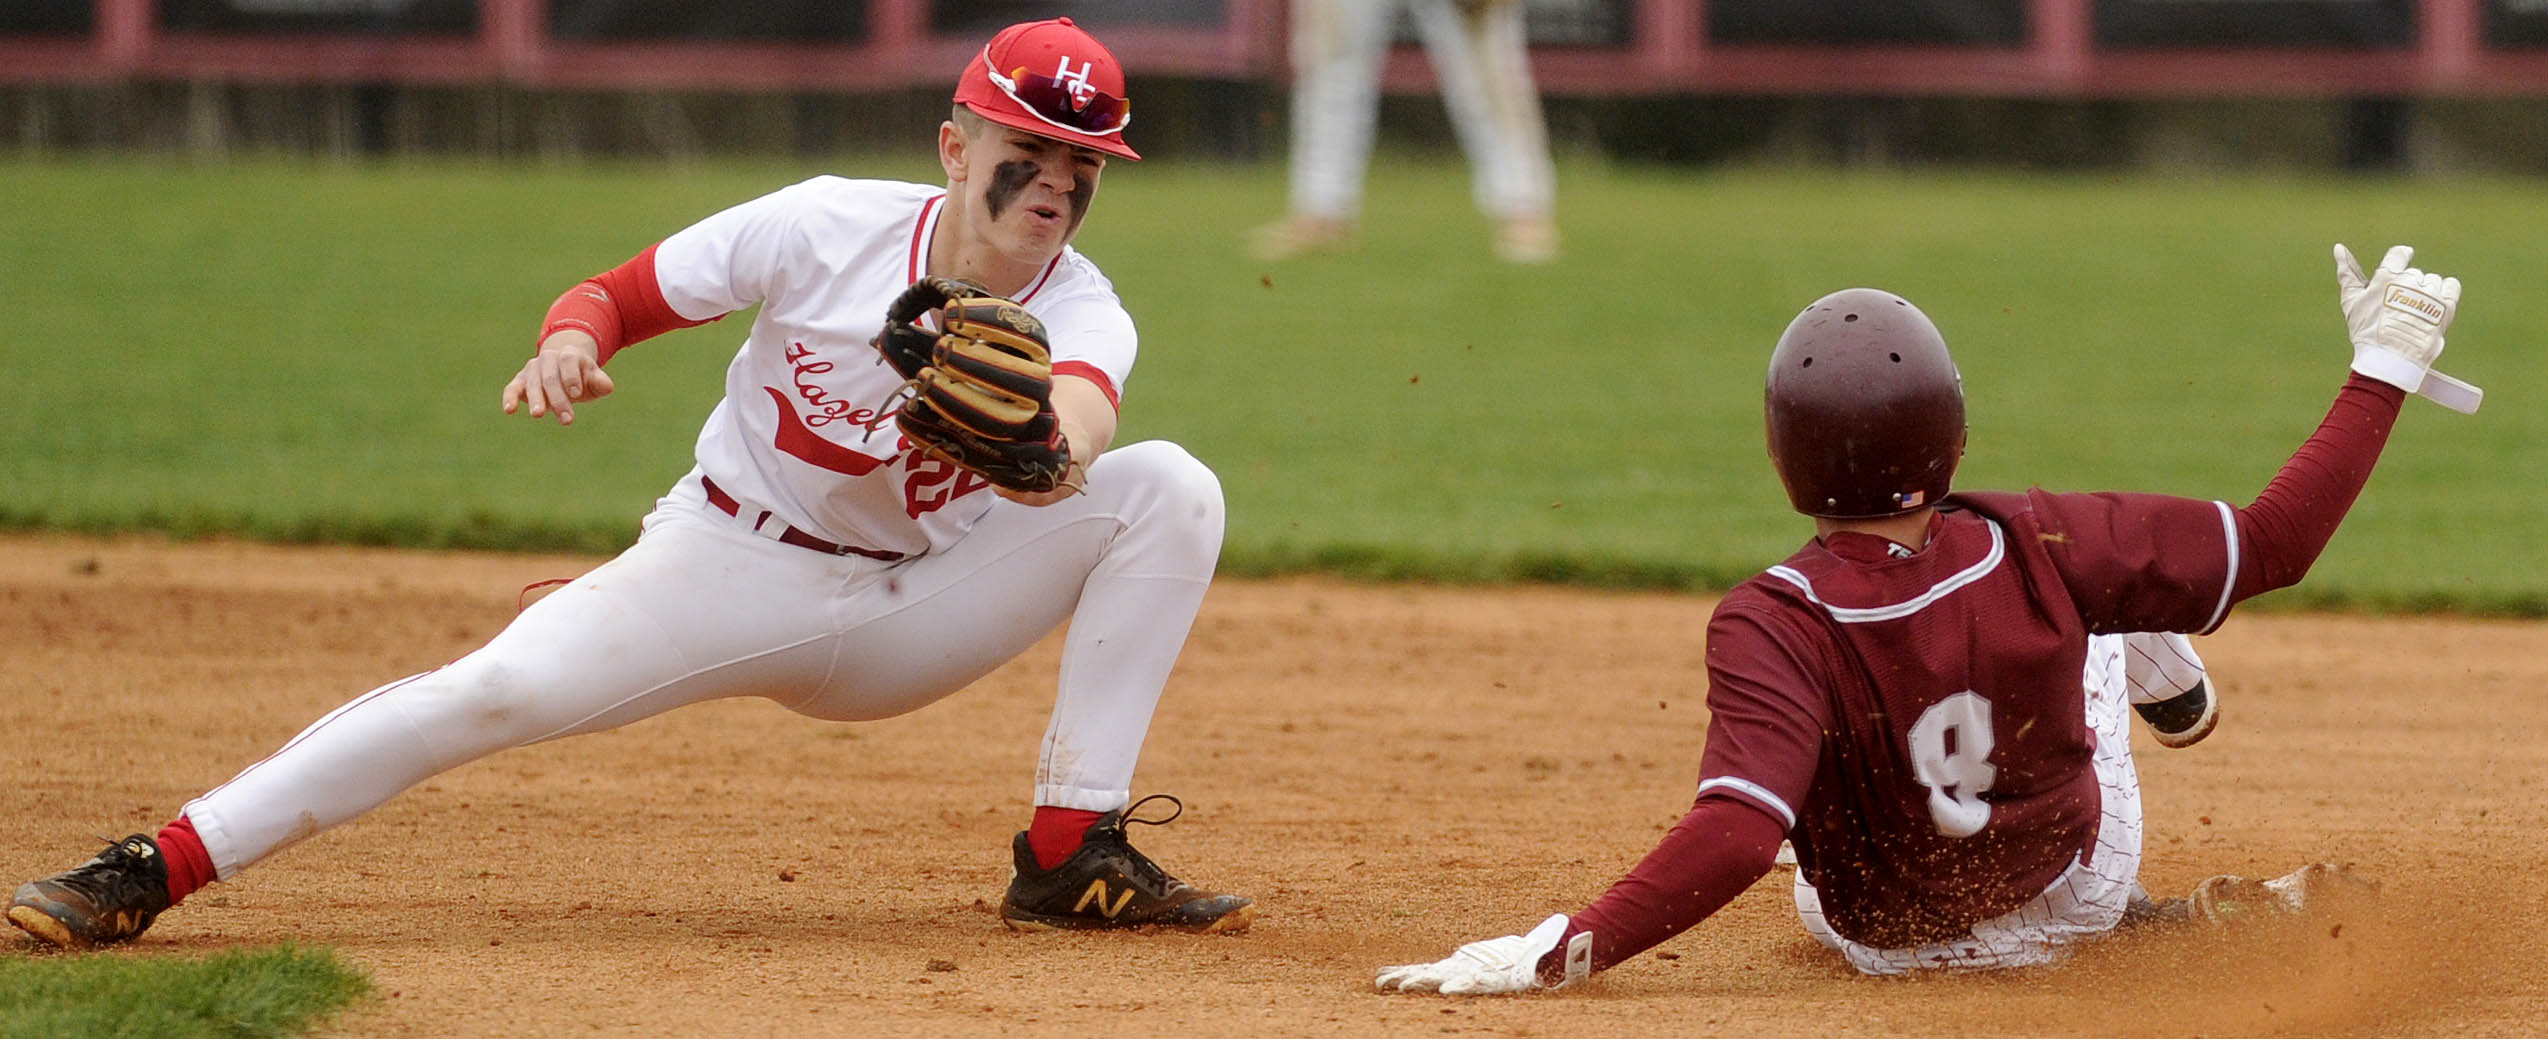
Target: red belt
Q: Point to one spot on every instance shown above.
(789, 535)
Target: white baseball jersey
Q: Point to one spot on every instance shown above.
(806, 428)
(710, 602)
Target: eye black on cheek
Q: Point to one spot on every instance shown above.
(1083, 188)
(1008, 180)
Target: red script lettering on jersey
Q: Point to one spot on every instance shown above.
(796, 437)
(827, 409)
(805, 445)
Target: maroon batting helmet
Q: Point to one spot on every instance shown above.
(1866, 411)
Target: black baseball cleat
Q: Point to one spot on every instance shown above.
(1108, 885)
(2184, 719)
(111, 898)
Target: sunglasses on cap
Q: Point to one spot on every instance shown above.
(1069, 103)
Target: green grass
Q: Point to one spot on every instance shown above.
(239, 994)
(308, 353)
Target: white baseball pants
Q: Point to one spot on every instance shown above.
(702, 608)
(1483, 63)
(2088, 899)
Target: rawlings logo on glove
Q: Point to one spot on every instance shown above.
(981, 386)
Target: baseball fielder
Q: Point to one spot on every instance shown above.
(815, 556)
(1928, 697)
(1480, 55)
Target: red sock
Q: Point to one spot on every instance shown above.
(1056, 832)
(189, 865)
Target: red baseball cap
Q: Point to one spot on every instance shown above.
(1051, 79)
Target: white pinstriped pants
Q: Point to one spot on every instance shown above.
(2088, 899)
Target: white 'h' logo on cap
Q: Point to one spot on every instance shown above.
(1077, 78)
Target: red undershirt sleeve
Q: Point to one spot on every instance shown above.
(1722, 847)
(618, 307)
(2288, 525)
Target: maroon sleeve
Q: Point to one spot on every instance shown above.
(2282, 533)
(2137, 562)
(1765, 727)
(1767, 711)
(1716, 852)
(2148, 562)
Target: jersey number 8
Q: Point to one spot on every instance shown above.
(1950, 754)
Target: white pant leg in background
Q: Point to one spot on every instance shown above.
(2087, 900)
(700, 608)
(1481, 55)
(1338, 48)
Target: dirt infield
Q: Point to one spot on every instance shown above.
(1388, 770)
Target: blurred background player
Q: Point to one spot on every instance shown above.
(1482, 60)
(1927, 698)
(812, 556)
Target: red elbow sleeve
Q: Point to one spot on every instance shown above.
(618, 307)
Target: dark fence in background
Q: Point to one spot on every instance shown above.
(1987, 23)
(2364, 84)
(2000, 48)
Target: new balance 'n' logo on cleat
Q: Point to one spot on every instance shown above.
(111, 898)
(1106, 884)
(1096, 897)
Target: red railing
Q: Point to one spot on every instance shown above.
(512, 46)
(1671, 54)
(1668, 52)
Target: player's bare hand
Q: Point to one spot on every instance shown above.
(567, 371)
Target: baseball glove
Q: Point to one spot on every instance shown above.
(980, 386)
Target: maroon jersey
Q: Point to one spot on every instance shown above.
(1917, 718)
(1898, 699)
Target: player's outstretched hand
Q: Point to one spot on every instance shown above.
(567, 371)
(2396, 315)
(1495, 966)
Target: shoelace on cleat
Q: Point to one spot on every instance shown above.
(1148, 871)
(110, 878)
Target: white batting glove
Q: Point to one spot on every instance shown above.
(2396, 316)
(1495, 966)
